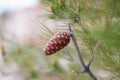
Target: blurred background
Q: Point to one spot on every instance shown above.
(20, 28)
(17, 17)
(26, 26)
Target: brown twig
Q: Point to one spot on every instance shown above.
(72, 59)
(93, 53)
(85, 67)
(76, 46)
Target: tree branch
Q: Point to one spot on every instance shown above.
(85, 67)
(73, 60)
(93, 53)
(76, 46)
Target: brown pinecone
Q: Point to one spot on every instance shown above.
(56, 43)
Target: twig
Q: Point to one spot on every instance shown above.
(73, 60)
(93, 53)
(85, 67)
(76, 46)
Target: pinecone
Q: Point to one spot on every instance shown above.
(56, 43)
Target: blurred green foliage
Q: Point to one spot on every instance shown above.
(94, 20)
(36, 66)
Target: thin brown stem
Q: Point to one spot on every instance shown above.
(76, 46)
(72, 59)
(85, 67)
(93, 53)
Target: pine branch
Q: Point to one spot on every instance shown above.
(85, 67)
(72, 59)
(93, 53)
